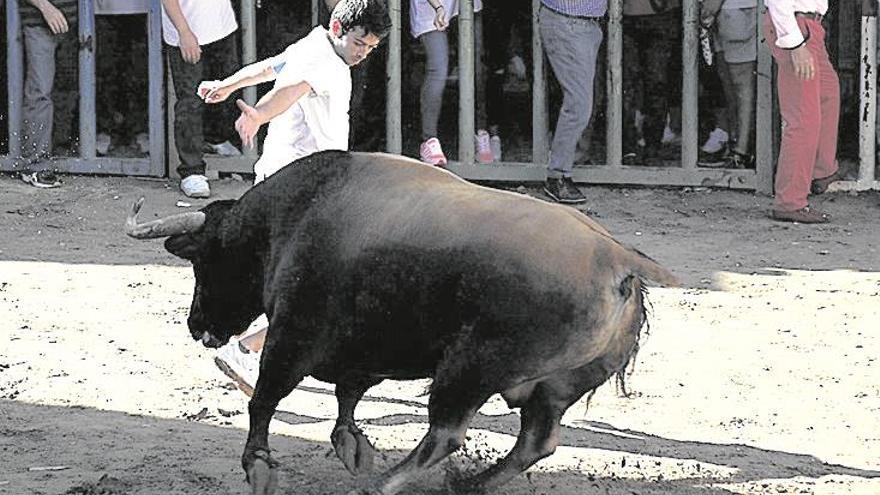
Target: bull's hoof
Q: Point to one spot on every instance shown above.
(353, 449)
(261, 473)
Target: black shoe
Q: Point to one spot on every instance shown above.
(44, 179)
(563, 191)
(739, 160)
(714, 160)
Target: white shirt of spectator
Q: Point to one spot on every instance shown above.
(209, 20)
(318, 121)
(788, 33)
(421, 14)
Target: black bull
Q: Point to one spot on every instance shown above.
(373, 266)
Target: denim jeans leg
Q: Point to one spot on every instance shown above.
(572, 47)
(188, 133)
(39, 45)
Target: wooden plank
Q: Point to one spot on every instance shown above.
(87, 109)
(614, 86)
(155, 80)
(690, 50)
(603, 174)
(764, 156)
(15, 77)
(868, 101)
(466, 69)
(393, 121)
(540, 146)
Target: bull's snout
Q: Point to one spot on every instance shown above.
(202, 331)
(209, 340)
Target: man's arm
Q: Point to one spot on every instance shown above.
(789, 37)
(250, 75)
(189, 44)
(54, 18)
(271, 105)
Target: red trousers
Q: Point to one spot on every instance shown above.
(810, 111)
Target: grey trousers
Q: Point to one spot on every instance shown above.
(572, 46)
(38, 110)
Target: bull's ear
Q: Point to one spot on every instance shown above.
(183, 246)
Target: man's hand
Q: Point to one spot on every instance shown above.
(804, 66)
(213, 91)
(189, 47)
(440, 18)
(248, 123)
(54, 18)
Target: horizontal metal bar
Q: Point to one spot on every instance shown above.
(99, 165)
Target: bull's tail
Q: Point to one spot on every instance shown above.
(651, 271)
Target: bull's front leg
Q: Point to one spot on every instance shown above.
(351, 445)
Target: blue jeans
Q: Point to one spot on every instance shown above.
(572, 46)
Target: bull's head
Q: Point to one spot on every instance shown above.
(227, 292)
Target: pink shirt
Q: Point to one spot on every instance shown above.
(782, 14)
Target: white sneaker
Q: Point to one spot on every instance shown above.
(195, 186)
(483, 147)
(243, 368)
(143, 142)
(225, 149)
(102, 143)
(670, 137)
(517, 67)
(430, 152)
(716, 141)
(495, 145)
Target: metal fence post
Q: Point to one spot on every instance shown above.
(393, 126)
(87, 110)
(15, 77)
(466, 124)
(540, 126)
(690, 83)
(614, 90)
(868, 101)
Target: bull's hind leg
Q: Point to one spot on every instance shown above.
(351, 445)
(450, 409)
(540, 418)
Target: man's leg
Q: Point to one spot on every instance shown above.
(220, 60)
(39, 46)
(188, 131)
(829, 101)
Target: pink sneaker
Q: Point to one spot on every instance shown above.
(431, 152)
(483, 147)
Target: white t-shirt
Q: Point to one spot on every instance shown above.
(421, 14)
(318, 121)
(739, 4)
(209, 20)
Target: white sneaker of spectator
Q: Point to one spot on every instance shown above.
(483, 147)
(195, 186)
(495, 145)
(102, 143)
(670, 137)
(517, 67)
(716, 141)
(432, 153)
(242, 367)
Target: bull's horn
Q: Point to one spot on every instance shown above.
(181, 223)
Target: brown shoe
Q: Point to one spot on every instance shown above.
(819, 186)
(804, 215)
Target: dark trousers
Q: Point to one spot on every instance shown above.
(652, 73)
(193, 119)
(499, 21)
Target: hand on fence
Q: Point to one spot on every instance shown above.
(55, 19)
(248, 123)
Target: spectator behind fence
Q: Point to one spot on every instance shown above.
(307, 111)
(428, 22)
(735, 28)
(500, 19)
(47, 26)
(652, 72)
(200, 45)
(809, 101)
(571, 35)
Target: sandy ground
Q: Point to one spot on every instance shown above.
(759, 376)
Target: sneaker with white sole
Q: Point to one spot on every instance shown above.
(242, 367)
(717, 140)
(195, 186)
(495, 145)
(43, 179)
(483, 147)
(430, 152)
(223, 149)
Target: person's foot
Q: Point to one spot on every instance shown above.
(195, 186)
(102, 143)
(44, 179)
(819, 186)
(739, 160)
(431, 153)
(495, 145)
(242, 367)
(483, 147)
(803, 215)
(223, 149)
(563, 190)
(717, 159)
(718, 138)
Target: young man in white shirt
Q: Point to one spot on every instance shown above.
(809, 101)
(307, 111)
(199, 41)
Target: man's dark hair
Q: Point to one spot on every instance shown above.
(372, 15)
